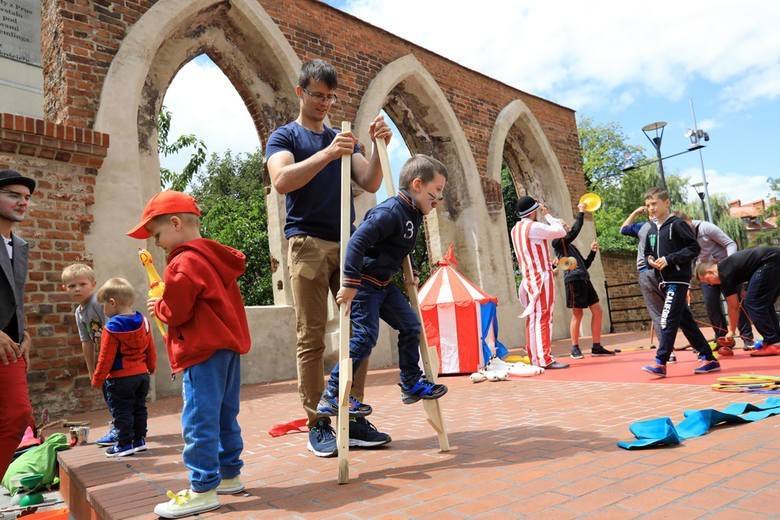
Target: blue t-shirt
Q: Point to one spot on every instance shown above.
(313, 209)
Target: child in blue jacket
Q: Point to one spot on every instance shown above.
(374, 254)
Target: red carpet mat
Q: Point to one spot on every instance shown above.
(626, 367)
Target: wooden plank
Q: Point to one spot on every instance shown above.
(345, 363)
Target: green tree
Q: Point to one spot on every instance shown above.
(233, 212)
(605, 152)
(170, 179)
(509, 194)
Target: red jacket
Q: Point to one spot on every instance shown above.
(126, 353)
(202, 304)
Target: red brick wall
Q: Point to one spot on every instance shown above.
(64, 161)
(81, 37)
(621, 276)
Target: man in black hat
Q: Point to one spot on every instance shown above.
(15, 413)
(537, 289)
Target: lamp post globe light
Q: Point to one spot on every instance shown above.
(658, 128)
(702, 196)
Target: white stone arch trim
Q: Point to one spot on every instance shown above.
(375, 97)
(385, 81)
(128, 178)
(511, 114)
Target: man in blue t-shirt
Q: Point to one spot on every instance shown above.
(304, 162)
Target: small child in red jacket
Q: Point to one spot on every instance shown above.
(207, 333)
(127, 357)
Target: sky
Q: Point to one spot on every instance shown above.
(610, 61)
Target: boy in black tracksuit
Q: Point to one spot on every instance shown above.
(580, 293)
(374, 254)
(670, 248)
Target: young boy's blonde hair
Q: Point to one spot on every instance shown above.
(117, 288)
(657, 193)
(188, 218)
(73, 271)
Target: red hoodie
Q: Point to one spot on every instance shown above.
(202, 304)
(127, 352)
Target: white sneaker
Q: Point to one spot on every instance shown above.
(187, 502)
(497, 375)
(477, 377)
(230, 486)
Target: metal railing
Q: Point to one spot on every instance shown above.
(697, 305)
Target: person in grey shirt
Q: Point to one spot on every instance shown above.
(648, 279)
(715, 246)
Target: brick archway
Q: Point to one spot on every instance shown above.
(249, 48)
(155, 48)
(408, 92)
(519, 142)
(106, 66)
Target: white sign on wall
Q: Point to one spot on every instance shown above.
(20, 31)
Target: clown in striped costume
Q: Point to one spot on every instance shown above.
(537, 289)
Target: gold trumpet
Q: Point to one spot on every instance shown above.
(592, 202)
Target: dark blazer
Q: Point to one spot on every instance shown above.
(12, 280)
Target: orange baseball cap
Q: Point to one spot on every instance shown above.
(164, 203)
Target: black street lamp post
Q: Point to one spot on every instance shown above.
(658, 128)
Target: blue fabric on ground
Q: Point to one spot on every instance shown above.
(661, 432)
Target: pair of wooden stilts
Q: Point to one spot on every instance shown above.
(428, 355)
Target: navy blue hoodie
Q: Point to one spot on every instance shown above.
(382, 241)
(564, 247)
(676, 242)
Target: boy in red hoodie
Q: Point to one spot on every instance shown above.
(127, 357)
(207, 333)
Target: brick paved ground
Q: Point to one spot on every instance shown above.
(525, 448)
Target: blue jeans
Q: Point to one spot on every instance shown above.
(711, 295)
(677, 315)
(212, 436)
(126, 398)
(369, 305)
(762, 291)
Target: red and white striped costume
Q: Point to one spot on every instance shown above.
(537, 289)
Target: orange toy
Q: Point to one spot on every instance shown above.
(156, 285)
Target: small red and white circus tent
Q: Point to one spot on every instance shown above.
(459, 319)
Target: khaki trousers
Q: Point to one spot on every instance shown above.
(314, 272)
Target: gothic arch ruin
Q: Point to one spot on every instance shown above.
(107, 66)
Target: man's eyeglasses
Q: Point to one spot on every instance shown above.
(16, 196)
(320, 97)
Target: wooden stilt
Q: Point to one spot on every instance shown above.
(428, 355)
(345, 363)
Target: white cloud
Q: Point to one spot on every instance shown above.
(203, 102)
(729, 184)
(542, 47)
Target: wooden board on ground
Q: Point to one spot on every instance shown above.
(345, 363)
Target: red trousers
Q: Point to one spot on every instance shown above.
(15, 410)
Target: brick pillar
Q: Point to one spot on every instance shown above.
(64, 161)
